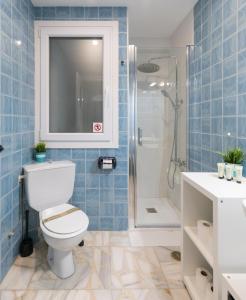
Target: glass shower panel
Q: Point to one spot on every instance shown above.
(76, 84)
(160, 121)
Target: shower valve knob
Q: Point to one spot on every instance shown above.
(1, 148)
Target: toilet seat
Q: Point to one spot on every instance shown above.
(66, 226)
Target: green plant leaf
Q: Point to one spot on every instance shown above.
(40, 147)
(233, 156)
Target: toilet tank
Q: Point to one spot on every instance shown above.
(49, 184)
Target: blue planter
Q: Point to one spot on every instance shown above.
(244, 168)
(40, 157)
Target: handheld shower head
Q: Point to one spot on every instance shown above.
(166, 94)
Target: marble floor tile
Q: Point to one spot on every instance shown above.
(136, 268)
(120, 239)
(93, 238)
(180, 294)
(24, 268)
(164, 254)
(107, 238)
(92, 272)
(172, 272)
(18, 277)
(33, 261)
(143, 294)
(56, 295)
(108, 267)
(153, 237)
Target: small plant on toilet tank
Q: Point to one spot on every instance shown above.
(40, 152)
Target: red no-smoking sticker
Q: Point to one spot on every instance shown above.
(97, 127)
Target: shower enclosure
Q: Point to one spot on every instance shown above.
(157, 85)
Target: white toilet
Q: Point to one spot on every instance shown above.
(49, 186)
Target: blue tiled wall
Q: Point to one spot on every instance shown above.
(217, 108)
(16, 116)
(102, 195)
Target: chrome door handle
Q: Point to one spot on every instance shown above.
(140, 136)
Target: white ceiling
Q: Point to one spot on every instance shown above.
(155, 19)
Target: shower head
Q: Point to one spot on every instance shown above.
(148, 67)
(166, 94)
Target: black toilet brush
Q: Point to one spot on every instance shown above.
(26, 246)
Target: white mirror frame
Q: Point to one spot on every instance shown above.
(108, 30)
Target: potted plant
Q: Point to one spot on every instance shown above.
(40, 152)
(233, 157)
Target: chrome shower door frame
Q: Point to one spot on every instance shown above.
(132, 55)
(189, 49)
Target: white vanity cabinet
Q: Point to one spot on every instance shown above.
(205, 197)
(234, 286)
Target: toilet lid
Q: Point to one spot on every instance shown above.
(73, 221)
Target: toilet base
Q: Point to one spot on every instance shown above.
(61, 262)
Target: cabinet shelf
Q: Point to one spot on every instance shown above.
(192, 233)
(190, 283)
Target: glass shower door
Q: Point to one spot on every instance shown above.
(158, 116)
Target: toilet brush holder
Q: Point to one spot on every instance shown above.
(26, 246)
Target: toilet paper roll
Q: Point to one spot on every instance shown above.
(107, 166)
(203, 277)
(209, 293)
(205, 232)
